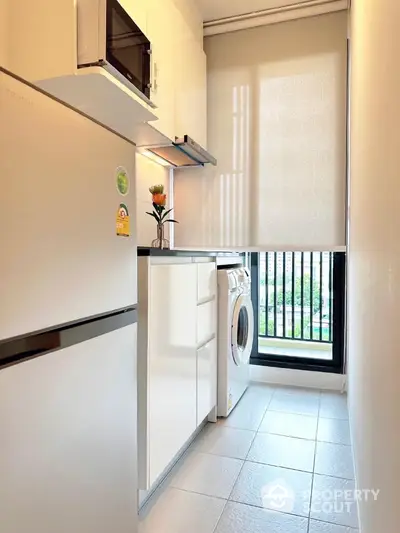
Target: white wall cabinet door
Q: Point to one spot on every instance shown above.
(199, 73)
(172, 364)
(137, 9)
(206, 379)
(191, 86)
(161, 31)
(182, 79)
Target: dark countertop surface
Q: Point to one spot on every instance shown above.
(144, 251)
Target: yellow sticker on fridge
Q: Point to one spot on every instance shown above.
(122, 222)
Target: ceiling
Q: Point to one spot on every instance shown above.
(218, 9)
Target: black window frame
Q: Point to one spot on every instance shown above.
(336, 364)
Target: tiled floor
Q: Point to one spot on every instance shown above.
(281, 463)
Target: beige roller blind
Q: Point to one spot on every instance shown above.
(277, 125)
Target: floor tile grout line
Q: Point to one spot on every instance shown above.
(292, 413)
(315, 458)
(220, 516)
(268, 509)
(237, 479)
(199, 493)
(265, 412)
(225, 456)
(314, 440)
(287, 436)
(309, 472)
(334, 443)
(334, 477)
(355, 529)
(256, 507)
(252, 461)
(256, 432)
(269, 432)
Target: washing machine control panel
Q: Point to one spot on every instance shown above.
(237, 279)
(243, 276)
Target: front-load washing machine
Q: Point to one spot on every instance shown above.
(235, 336)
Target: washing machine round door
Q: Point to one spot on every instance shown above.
(242, 329)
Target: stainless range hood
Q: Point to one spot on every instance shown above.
(183, 153)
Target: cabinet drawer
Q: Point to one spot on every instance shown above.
(206, 379)
(206, 321)
(206, 281)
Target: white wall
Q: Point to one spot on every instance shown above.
(374, 259)
(148, 173)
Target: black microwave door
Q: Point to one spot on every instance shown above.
(128, 49)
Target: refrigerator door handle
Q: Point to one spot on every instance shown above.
(17, 350)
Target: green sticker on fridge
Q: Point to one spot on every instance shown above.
(122, 181)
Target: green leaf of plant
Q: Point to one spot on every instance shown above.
(166, 213)
(171, 220)
(158, 208)
(153, 215)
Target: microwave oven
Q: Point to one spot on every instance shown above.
(109, 37)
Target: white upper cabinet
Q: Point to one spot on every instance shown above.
(199, 124)
(137, 9)
(191, 86)
(179, 78)
(161, 31)
(76, 29)
(73, 68)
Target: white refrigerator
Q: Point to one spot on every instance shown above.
(68, 295)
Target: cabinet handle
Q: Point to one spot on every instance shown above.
(155, 75)
(206, 300)
(204, 343)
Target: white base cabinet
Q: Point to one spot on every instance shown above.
(177, 359)
(172, 362)
(206, 379)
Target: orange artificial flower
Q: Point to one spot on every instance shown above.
(159, 199)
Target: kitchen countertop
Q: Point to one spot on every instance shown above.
(144, 251)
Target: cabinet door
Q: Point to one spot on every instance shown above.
(206, 281)
(206, 321)
(68, 420)
(199, 125)
(161, 22)
(172, 365)
(191, 91)
(137, 9)
(184, 86)
(206, 379)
